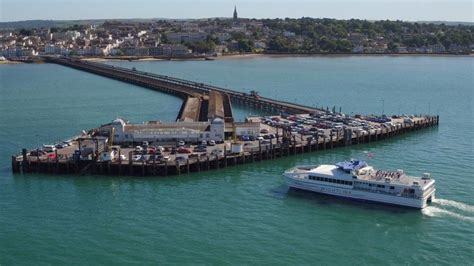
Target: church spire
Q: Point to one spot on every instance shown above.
(235, 18)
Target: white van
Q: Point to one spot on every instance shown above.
(49, 148)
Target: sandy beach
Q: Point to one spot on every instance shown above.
(8, 62)
(251, 56)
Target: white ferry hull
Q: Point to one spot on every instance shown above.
(304, 184)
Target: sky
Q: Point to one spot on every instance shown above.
(411, 10)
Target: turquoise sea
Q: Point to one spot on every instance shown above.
(243, 214)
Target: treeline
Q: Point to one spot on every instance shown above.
(331, 35)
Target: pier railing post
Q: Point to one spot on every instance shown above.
(130, 163)
(24, 163)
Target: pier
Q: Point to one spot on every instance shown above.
(184, 88)
(201, 103)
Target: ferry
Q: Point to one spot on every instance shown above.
(357, 180)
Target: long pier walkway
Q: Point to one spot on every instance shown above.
(184, 88)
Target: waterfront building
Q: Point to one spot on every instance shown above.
(223, 36)
(437, 48)
(247, 129)
(358, 49)
(136, 51)
(401, 49)
(55, 49)
(179, 37)
(357, 38)
(260, 45)
(166, 131)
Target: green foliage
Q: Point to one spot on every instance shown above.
(164, 38)
(201, 46)
(26, 32)
(331, 35)
(279, 44)
(246, 45)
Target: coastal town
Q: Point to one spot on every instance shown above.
(188, 38)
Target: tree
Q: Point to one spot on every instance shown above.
(278, 44)
(392, 46)
(25, 32)
(246, 45)
(327, 45)
(164, 38)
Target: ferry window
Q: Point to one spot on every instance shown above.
(338, 181)
(381, 186)
(350, 183)
(392, 187)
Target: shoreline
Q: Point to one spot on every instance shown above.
(268, 55)
(276, 55)
(8, 62)
(242, 56)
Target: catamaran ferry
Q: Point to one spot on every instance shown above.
(357, 180)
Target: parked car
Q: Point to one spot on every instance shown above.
(37, 152)
(59, 146)
(66, 143)
(212, 142)
(164, 158)
(49, 148)
(244, 138)
(181, 143)
(200, 148)
(183, 150)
